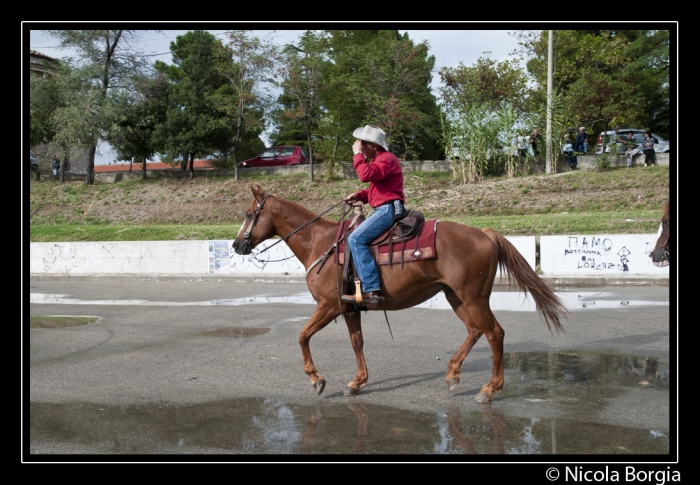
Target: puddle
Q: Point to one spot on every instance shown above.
(577, 385)
(500, 301)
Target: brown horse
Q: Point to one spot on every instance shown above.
(660, 255)
(464, 270)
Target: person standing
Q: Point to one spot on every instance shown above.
(374, 164)
(632, 148)
(535, 140)
(55, 166)
(568, 150)
(523, 146)
(582, 141)
(648, 149)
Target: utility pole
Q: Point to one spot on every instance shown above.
(548, 162)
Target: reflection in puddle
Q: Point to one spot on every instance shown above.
(554, 382)
(500, 301)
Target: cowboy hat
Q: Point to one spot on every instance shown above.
(372, 134)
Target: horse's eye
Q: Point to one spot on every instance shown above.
(247, 215)
(665, 223)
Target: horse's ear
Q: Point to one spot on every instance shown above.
(257, 192)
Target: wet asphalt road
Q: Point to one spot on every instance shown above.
(216, 369)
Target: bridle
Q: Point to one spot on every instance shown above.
(249, 227)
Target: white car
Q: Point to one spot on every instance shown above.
(661, 147)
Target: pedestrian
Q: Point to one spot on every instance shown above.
(55, 166)
(523, 144)
(632, 148)
(535, 140)
(582, 141)
(568, 150)
(648, 149)
(374, 164)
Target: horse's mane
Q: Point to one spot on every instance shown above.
(301, 209)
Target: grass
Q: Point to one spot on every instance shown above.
(59, 322)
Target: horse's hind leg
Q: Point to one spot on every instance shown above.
(320, 318)
(479, 319)
(354, 324)
(487, 323)
(454, 366)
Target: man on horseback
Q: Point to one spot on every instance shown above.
(374, 164)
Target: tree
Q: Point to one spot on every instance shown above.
(107, 61)
(385, 78)
(485, 82)
(247, 62)
(303, 83)
(193, 124)
(132, 135)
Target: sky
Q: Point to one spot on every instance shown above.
(450, 47)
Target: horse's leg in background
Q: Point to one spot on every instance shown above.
(353, 321)
(321, 317)
(454, 366)
(477, 316)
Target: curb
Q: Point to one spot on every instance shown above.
(555, 281)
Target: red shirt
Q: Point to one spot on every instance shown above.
(384, 176)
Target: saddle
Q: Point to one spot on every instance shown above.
(411, 227)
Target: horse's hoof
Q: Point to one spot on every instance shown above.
(452, 383)
(482, 397)
(319, 386)
(350, 391)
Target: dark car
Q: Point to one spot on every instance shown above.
(276, 156)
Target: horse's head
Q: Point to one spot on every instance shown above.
(660, 255)
(257, 226)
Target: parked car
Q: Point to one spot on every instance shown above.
(276, 156)
(33, 162)
(661, 147)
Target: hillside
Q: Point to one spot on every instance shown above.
(217, 200)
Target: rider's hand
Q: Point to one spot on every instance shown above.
(350, 199)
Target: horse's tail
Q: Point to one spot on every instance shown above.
(512, 263)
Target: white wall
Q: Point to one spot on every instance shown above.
(559, 255)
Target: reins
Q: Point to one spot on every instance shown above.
(249, 229)
(246, 234)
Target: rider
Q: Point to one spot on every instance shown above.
(374, 164)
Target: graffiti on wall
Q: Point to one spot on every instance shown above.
(597, 253)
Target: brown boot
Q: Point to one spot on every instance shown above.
(371, 298)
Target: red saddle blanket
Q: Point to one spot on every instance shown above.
(425, 249)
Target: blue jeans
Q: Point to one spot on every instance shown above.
(359, 239)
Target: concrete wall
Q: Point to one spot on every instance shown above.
(606, 255)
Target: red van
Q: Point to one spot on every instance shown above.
(276, 156)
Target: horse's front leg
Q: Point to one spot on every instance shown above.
(320, 318)
(355, 329)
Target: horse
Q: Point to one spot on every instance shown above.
(660, 255)
(464, 270)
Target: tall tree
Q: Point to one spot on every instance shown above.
(302, 81)
(106, 62)
(193, 124)
(247, 62)
(132, 134)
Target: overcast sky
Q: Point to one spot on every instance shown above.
(450, 47)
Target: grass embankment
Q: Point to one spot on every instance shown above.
(617, 201)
